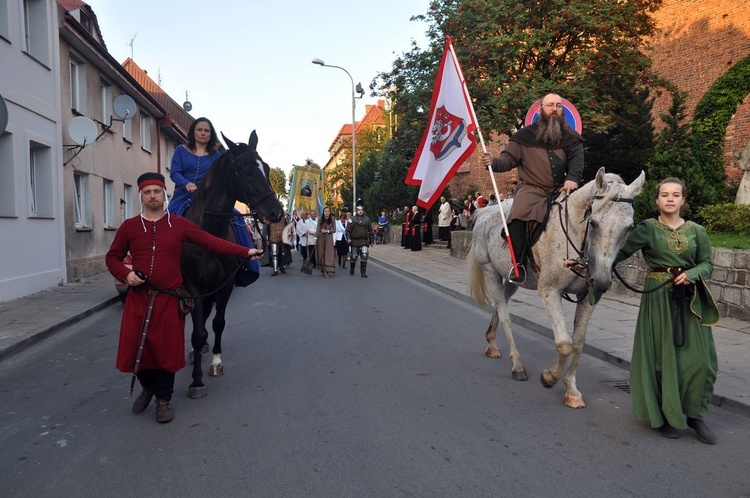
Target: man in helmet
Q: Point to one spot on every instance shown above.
(359, 235)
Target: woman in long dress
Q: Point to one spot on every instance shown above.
(674, 365)
(326, 254)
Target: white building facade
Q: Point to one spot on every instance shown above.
(32, 243)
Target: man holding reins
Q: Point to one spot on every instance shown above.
(151, 320)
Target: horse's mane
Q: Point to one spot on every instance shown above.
(214, 170)
(589, 189)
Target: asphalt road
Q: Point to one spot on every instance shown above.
(344, 387)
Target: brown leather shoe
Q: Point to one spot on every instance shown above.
(163, 411)
(142, 401)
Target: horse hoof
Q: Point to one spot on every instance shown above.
(216, 370)
(191, 356)
(545, 382)
(520, 375)
(574, 401)
(492, 353)
(197, 392)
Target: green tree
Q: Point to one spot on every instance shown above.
(672, 157)
(279, 183)
(513, 52)
(628, 146)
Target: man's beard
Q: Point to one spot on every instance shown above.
(549, 130)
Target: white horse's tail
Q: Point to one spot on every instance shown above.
(475, 281)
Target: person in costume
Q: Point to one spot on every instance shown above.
(674, 364)
(154, 240)
(359, 235)
(191, 162)
(444, 220)
(277, 246)
(405, 228)
(342, 248)
(190, 165)
(415, 229)
(427, 219)
(324, 243)
(549, 158)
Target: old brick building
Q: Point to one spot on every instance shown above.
(697, 41)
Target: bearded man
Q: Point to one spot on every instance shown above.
(549, 158)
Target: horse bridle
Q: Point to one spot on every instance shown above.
(582, 260)
(245, 196)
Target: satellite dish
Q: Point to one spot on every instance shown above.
(3, 115)
(125, 107)
(82, 130)
(187, 106)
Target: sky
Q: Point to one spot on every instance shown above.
(246, 64)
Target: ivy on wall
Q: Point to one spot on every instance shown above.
(710, 121)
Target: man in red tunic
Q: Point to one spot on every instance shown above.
(154, 239)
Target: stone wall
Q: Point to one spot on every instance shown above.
(728, 283)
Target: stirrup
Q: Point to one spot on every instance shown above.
(521, 279)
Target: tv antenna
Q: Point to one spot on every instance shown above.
(131, 45)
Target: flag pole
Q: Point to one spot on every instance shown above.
(489, 168)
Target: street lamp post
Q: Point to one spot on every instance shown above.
(354, 134)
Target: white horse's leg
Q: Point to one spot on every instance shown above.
(217, 367)
(492, 351)
(500, 295)
(552, 302)
(573, 397)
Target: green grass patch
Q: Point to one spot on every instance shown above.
(729, 240)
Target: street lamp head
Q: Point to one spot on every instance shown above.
(318, 62)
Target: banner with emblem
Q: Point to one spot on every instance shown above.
(448, 140)
(306, 192)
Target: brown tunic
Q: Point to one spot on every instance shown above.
(542, 169)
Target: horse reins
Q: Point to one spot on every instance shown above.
(173, 293)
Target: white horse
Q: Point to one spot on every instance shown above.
(595, 220)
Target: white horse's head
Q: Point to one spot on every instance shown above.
(609, 221)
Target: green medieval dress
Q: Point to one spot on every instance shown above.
(667, 381)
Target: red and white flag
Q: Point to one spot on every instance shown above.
(448, 140)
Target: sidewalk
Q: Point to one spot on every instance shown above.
(611, 328)
(28, 320)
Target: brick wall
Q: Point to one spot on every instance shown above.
(697, 41)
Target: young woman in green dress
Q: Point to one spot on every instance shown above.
(674, 365)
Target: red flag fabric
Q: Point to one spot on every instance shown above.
(448, 140)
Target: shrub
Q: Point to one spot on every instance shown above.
(725, 218)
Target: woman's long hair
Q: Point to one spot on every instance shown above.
(330, 221)
(212, 141)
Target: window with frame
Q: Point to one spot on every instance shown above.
(35, 30)
(4, 30)
(81, 199)
(127, 202)
(7, 176)
(146, 132)
(105, 91)
(108, 210)
(77, 84)
(40, 181)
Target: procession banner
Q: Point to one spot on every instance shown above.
(306, 189)
(449, 139)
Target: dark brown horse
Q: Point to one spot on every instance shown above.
(238, 175)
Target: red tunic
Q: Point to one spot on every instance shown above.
(156, 252)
